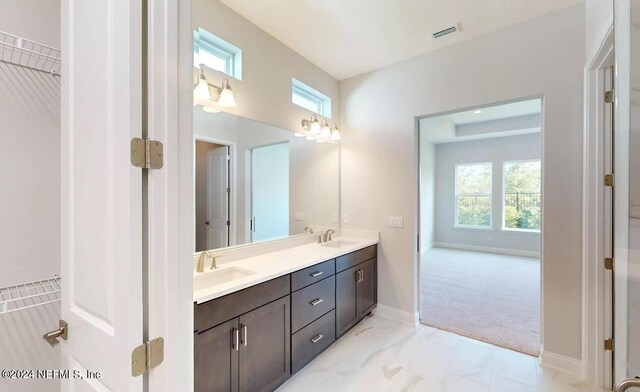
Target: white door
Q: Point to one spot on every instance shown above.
(270, 192)
(218, 198)
(627, 196)
(101, 193)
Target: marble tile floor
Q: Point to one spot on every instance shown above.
(384, 355)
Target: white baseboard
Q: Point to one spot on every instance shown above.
(396, 314)
(504, 251)
(562, 363)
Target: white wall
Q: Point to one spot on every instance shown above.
(264, 93)
(497, 151)
(30, 191)
(543, 56)
(599, 18)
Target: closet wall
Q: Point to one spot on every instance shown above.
(29, 191)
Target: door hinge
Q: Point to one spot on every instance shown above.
(228, 223)
(609, 96)
(147, 153)
(609, 345)
(147, 356)
(609, 180)
(608, 263)
(228, 190)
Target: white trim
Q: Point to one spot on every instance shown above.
(391, 313)
(486, 249)
(597, 363)
(562, 363)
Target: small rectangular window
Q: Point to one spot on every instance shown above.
(522, 198)
(216, 53)
(310, 98)
(473, 194)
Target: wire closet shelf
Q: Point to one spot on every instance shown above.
(29, 295)
(26, 53)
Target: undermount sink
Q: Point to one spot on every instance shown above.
(339, 243)
(219, 276)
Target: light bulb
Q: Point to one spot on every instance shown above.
(226, 96)
(202, 89)
(326, 131)
(316, 129)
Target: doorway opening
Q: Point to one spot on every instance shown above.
(213, 195)
(480, 223)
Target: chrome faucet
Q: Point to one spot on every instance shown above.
(327, 235)
(309, 230)
(201, 260)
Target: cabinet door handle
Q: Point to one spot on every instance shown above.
(236, 338)
(315, 274)
(361, 275)
(316, 301)
(244, 334)
(316, 339)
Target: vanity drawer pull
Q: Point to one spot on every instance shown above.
(316, 339)
(244, 334)
(316, 274)
(316, 301)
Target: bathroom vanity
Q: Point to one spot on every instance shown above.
(254, 332)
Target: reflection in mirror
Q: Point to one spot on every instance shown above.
(256, 182)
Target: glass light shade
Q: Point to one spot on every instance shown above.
(335, 135)
(316, 129)
(326, 131)
(202, 89)
(226, 96)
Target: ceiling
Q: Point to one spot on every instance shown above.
(511, 119)
(347, 38)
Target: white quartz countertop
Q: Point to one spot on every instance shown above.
(274, 264)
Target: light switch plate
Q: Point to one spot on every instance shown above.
(334, 218)
(346, 219)
(299, 216)
(396, 222)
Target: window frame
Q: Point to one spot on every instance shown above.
(216, 46)
(503, 201)
(308, 93)
(456, 195)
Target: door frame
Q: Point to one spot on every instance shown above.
(233, 170)
(596, 284)
(169, 282)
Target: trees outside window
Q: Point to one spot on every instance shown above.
(522, 197)
(473, 194)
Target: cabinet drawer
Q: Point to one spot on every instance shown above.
(312, 302)
(311, 340)
(313, 274)
(355, 258)
(219, 310)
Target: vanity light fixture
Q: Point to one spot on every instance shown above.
(211, 103)
(312, 129)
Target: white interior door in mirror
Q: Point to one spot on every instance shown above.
(101, 209)
(270, 191)
(217, 222)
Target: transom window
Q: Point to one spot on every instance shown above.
(310, 98)
(521, 198)
(216, 53)
(473, 194)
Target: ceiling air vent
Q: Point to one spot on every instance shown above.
(449, 30)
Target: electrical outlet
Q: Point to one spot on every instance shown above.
(334, 218)
(299, 216)
(346, 219)
(396, 222)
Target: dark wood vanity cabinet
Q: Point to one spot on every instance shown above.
(254, 339)
(251, 352)
(356, 288)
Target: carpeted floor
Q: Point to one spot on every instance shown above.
(485, 296)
